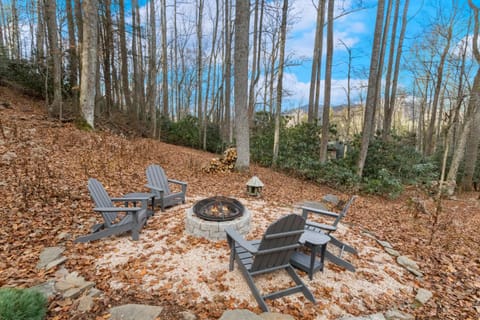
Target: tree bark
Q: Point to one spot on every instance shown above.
(123, 56)
(328, 85)
(51, 20)
(281, 61)
(152, 70)
(163, 11)
(242, 130)
(72, 50)
(429, 141)
(316, 64)
(89, 61)
(372, 89)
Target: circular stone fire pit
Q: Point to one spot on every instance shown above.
(209, 217)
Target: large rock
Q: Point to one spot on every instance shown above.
(410, 265)
(423, 296)
(46, 288)
(135, 312)
(398, 315)
(239, 314)
(275, 316)
(330, 198)
(73, 285)
(51, 257)
(376, 316)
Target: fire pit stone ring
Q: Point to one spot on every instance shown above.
(215, 229)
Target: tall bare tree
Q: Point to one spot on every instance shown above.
(472, 120)
(328, 84)
(389, 107)
(281, 65)
(72, 45)
(372, 88)
(447, 34)
(313, 100)
(152, 70)
(51, 20)
(242, 130)
(163, 21)
(89, 61)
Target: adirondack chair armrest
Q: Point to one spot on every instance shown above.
(118, 209)
(233, 234)
(155, 188)
(306, 210)
(138, 198)
(322, 226)
(177, 182)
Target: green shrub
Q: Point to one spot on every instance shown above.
(383, 183)
(337, 174)
(22, 304)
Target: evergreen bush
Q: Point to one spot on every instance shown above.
(22, 304)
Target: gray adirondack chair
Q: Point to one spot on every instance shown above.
(133, 220)
(271, 253)
(326, 228)
(329, 229)
(158, 183)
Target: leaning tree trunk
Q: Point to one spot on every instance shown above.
(89, 61)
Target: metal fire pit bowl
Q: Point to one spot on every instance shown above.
(218, 208)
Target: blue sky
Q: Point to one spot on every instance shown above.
(356, 31)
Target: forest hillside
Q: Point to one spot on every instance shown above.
(45, 165)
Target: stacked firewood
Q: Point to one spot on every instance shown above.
(224, 164)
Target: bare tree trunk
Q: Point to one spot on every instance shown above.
(387, 107)
(257, 39)
(381, 61)
(163, 11)
(152, 70)
(77, 7)
(281, 62)
(391, 104)
(316, 64)
(242, 130)
(89, 61)
(328, 84)
(209, 75)
(372, 89)
(51, 19)
(200, 4)
(123, 56)
(429, 143)
(472, 119)
(228, 72)
(72, 50)
(107, 46)
(40, 33)
(15, 31)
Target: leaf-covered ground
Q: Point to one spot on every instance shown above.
(44, 167)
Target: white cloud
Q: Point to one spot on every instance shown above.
(299, 91)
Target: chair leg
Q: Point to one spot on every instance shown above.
(256, 293)
(307, 293)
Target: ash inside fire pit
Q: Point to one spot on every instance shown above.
(218, 209)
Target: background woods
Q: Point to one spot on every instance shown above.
(209, 74)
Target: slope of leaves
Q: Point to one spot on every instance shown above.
(45, 165)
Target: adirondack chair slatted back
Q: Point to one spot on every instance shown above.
(156, 177)
(344, 211)
(278, 243)
(102, 200)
